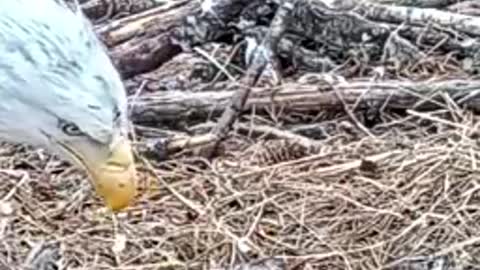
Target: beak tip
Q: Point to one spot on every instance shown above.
(115, 178)
(117, 188)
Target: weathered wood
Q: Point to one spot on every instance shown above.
(343, 31)
(177, 105)
(144, 41)
(102, 10)
(43, 256)
(419, 3)
(470, 7)
(140, 43)
(418, 16)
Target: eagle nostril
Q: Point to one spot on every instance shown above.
(116, 164)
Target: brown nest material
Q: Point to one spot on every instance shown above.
(401, 194)
(351, 202)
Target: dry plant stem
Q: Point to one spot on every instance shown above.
(391, 94)
(191, 205)
(259, 61)
(198, 209)
(277, 133)
(25, 178)
(350, 113)
(221, 67)
(325, 171)
(443, 121)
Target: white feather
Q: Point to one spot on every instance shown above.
(53, 67)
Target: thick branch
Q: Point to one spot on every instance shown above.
(141, 42)
(418, 16)
(101, 10)
(419, 3)
(175, 105)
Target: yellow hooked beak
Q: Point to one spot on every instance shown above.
(112, 172)
(115, 179)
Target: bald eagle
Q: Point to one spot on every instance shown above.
(60, 91)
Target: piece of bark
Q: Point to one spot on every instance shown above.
(417, 16)
(101, 10)
(189, 71)
(418, 3)
(161, 148)
(44, 256)
(294, 97)
(471, 8)
(140, 43)
(208, 24)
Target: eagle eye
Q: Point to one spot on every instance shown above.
(70, 128)
(116, 114)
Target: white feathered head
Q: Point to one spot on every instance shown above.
(60, 90)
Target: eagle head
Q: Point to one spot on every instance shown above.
(59, 90)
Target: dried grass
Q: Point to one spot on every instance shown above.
(349, 202)
(358, 199)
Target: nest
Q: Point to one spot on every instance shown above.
(287, 190)
(354, 200)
